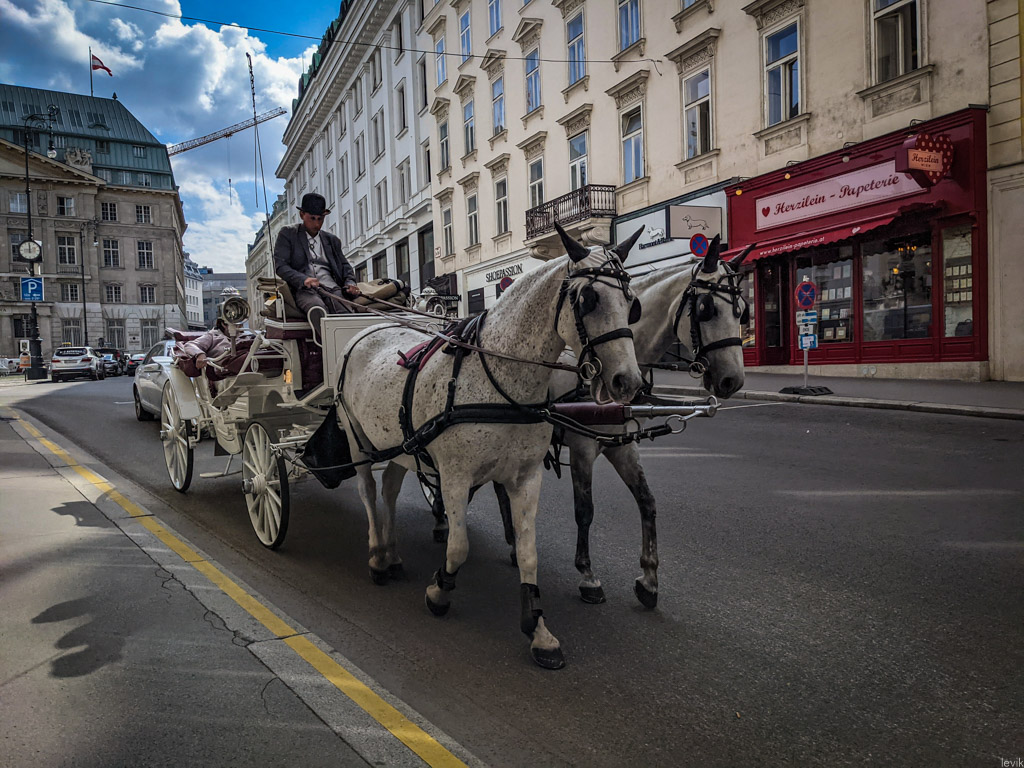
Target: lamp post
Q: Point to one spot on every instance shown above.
(36, 369)
(92, 224)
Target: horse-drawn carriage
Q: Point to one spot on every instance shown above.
(479, 411)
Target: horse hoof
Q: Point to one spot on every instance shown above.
(380, 578)
(513, 558)
(592, 595)
(438, 609)
(548, 658)
(396, 571)
(647, 598)
(440, 535)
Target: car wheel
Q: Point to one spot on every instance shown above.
(141, 413)
(55, 378)
(94, 375)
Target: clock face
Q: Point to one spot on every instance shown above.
(29, 250)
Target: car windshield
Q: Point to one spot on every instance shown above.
(71, 352)
(108, 357)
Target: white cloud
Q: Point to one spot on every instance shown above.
(181, 81)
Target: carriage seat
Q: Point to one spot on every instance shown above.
(311, 358)
(182, 336)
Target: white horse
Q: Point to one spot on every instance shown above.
(582, 300)
(705, 296)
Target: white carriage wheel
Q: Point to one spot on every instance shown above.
(178, 453)
(265, 485)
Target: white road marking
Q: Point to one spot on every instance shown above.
(666, 454)
(924, 493)
(754, 405)
(124, 402)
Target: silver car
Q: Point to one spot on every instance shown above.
(74, 362)
(150, 378)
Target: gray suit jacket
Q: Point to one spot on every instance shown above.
(291, 257)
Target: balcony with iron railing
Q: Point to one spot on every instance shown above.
(593, 201)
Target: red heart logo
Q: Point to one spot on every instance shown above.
(765, 211)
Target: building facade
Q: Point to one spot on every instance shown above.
(108, 215)
(356, 138)
(259, 261)
(193, 295)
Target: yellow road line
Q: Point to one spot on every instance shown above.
(401, 727)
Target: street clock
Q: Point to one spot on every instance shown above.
(30, 250)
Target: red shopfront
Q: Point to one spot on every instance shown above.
(899, 258)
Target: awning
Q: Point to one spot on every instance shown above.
(811, 239)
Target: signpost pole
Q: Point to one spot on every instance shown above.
(805, 367)
(807, 321)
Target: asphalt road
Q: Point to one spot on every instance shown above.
(838, 586)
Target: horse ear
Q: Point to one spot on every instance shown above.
(575, 250)
(622, 249)
(710, 262)
(739, 259)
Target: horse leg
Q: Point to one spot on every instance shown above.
(523, 498)
(456, 496)
(378, 547)
(581, 467)
(391, 485)
(440, 519)
(626, 461)
(504, 507)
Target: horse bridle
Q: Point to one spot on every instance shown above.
(586, 301)
(701, 308)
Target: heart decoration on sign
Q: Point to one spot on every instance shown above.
(926, 158)
(765, 211)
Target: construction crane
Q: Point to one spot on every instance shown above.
(223, 133)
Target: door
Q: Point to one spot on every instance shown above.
(147, 376)
(774, 289)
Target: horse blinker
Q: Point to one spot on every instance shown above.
(587, 300)
(705, 308)
(635, 311)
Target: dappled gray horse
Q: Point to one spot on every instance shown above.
(698, 304)
(582, 300)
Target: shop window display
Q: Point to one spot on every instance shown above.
(831, 270)
(958, 281)
(748, 332)
(897, 288)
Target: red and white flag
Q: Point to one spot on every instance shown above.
(97, 64)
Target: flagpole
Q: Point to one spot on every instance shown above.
(90, 72)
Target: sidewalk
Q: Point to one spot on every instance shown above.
(125, 645)
(993, 399)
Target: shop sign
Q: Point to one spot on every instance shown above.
(865, 186)
(684, 221)
(926, 159)
(499, 274)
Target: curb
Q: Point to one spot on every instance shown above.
(858, 402)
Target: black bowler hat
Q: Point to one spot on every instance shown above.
(314, 204)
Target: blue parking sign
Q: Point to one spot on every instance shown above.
(31, 289)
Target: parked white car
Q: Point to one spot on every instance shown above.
(150, 378)
(76, 362)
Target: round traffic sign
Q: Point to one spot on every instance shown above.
(806, 293)
(506, 283)
(699, 245)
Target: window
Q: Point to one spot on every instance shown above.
(375, 69)
(501, 205)
(66, 250)
(342, 125)
(71, 331)
(442, 137)
(112, 292)
(108, 211)
(76, 118)
(493, 16)
(537, 182)
(896, 35)
(472, 220)
(831, 269)
(102, 147)
(69, 292)
(439, 61)
(115, 335)
(361, 212)
(361, 273)
(380, 266)
(498, 105)
(330, 189)
(145, 254)
(400, 114)
(360, 158)
(111, 253)
(124, 177)
(105, 173)
(328, 138)
(404, 179)
(145, 180)
(532, 80)
(402, 261)
(577, 53)
(465, 38)
(629, 23)
(143, 214)
(147, 294)
(138, 151)
(897, 288)
(380, 199)
(312, 160)
(398, 39)
(65, 206)
(632, 146)
(469, 126)
(782, 74)
(346, 227)
(697, 113)
(19, 202)
(21, 323)
(578, 161)
(378, 134)
(17, 238)
(343, 172)
(426, 163)
(150, 332)
(357, 94)
(446, 228)
(421, 90)
(958, 283)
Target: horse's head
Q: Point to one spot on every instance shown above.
(716, 310)
(596, 291)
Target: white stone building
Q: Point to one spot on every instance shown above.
(193, 295)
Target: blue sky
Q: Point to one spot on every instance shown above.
(182, 79)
